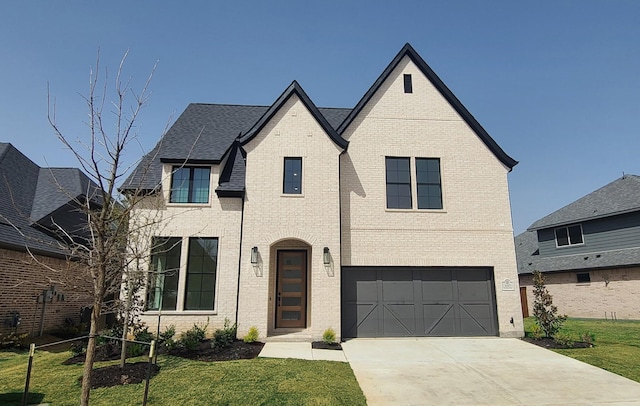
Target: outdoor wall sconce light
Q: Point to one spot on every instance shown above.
(254, 255)
(326, 257)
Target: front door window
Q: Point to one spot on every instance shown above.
(291, 289)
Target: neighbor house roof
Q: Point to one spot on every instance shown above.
(618, 197)
(205, 133)
(32, 198)
(528, 259)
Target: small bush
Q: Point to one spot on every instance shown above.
(12, 340)
(78, 347)
(544, 311)
(587, 337)
(225, 336)
(200, 330)
(536, 332)
(564, 339)
(252, 335)
(194, 336)
(166, 338)
(141, 334)
(329, 336)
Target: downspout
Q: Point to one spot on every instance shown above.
(239, 261)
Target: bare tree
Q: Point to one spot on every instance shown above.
(104, 246)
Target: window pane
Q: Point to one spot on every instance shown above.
(292, 176)
(561, 237)
(428, 183)
(398, 183)
(163, 277)
(201, 273)
(575, 235)
(190, 185)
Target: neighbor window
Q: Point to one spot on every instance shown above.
(583, 277)
(398, 183)
(408, 86)
(164, 272)
(571, 235)
(190, 184)
(201, 274)
(428, 183)
(292, 176)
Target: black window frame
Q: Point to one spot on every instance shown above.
(191, 187)
(393, 183)
(429, 183)
(408, 83)
(164, 248)
(196, 271)
(583, 277)
(565, 238)
(290, 178)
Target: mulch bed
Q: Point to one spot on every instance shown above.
(137, 372)
(204, 352)
(547, 342)
(321, 345)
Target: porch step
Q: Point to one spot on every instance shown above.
(288, 338)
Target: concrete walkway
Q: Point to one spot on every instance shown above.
(300, 351)
(479, 371)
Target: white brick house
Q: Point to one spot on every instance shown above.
(388, 219)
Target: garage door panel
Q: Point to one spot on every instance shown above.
(439, 320)
(399, 320)
(418, 302)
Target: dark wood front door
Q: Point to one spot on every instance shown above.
(523, 301)
(291, 289)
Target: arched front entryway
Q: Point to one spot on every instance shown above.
(289, 286)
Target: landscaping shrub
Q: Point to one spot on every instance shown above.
(252, 335)
(141, 334)
(166, 338)
(192, 337)
(587, 337)
(12, 340)
(329, 336)
(544, 311)
(536, 332)
(225, 336)
(564, 339)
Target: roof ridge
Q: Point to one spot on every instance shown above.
(228, 104)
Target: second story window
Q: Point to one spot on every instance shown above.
(398, 183)
(428, 182)
(571, 235)
(292, 176)
(190, 184)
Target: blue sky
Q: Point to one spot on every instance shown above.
(555, 83)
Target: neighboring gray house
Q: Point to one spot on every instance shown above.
(589, 252)
(38, 282)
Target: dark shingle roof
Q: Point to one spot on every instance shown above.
(619, 196)
(203, 134)
(31, 196)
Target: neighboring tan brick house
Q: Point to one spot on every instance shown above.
(589, 253)
(37, 280)
(388, 219)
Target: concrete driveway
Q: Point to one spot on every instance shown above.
(479, 371)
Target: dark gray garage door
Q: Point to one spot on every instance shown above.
(405, 302)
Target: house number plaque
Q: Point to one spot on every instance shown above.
(508, 284)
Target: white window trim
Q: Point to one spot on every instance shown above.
(555, 236)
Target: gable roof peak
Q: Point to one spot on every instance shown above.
(407, 50)
(294, 88)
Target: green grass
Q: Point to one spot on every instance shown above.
(616, 346)
(180, 381)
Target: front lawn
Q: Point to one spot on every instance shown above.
(182, 381)
(616, 346)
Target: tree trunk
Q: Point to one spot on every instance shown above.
(90, 356)
(125, 328)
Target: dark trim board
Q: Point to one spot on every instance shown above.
(418, 301)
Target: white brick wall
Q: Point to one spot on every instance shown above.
(473, 229)
(274, 221)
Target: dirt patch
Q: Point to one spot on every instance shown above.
(321, 345)
(204, 351)
(114, 375)
(546, 342)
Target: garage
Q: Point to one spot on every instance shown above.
(416, 302)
